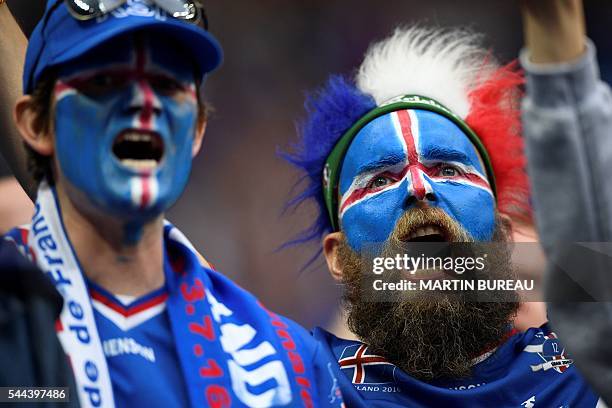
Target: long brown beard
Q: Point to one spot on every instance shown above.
(435, 335)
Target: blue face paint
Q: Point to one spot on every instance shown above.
(124, 125)
(405, 157)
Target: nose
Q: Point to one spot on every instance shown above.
(419, 189)
(144, 104)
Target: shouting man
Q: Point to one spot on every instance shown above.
(112, 116)
(424, 147)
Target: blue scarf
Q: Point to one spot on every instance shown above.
(232, 350)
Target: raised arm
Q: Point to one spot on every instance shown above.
(567, 118)
(12, 54)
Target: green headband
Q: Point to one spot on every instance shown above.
(333, 164)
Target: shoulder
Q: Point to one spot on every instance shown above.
(545, 348)
(242, 307)
(15, 251)
(21, 278)
(18, 236)
(335, 345)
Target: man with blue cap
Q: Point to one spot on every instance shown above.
(112, 116)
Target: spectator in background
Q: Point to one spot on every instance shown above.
(567, 119)
(30, 353)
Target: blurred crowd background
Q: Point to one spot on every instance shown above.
(275, 51)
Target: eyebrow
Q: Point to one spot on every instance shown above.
(386, 161)
(446, 154)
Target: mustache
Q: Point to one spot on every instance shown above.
(425, 232)
(432, 220)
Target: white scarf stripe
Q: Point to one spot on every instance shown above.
(79, 335)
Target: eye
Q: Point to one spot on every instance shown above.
(379, 181)
(166, 85)
(447, 170)
(100, 84)
(102, 80)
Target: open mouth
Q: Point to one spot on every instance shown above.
(426, 233)
(139, 149)
(427, 241)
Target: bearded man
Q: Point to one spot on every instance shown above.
(423, 147)
(112, 115)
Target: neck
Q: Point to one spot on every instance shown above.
(108, 252)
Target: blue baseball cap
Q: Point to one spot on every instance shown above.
(59, 38)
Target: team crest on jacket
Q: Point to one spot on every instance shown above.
(365, 368)
(551, 352)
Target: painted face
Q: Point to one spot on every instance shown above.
(124, 125)
(406, 157)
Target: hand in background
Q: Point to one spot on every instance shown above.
(554, 30)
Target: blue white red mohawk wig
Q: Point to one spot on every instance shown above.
(449, 66)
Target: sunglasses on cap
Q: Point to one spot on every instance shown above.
(188, 10)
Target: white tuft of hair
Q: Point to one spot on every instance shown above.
(442, 64)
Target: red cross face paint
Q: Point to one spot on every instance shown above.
(407, 158)
(124, 123)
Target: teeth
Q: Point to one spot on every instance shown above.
(137, 137)
(139, 164)
(423, 231)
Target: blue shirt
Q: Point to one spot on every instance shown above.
(139, 347)
(529, 370)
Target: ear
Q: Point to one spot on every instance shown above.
(331, 244)
(506, 225)
(34, 134)
(199, 136)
